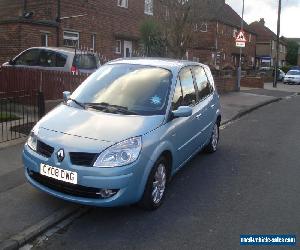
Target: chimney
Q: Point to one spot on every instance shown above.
(262, 21)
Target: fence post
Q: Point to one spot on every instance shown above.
(41, 99)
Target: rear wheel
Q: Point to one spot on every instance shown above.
(214, 140)
(156, 185)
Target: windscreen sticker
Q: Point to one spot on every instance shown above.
(156, 100)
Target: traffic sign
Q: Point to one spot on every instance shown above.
(241, 37)
(240, 44)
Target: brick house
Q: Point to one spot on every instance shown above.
(111, 27)
(214, 38)
(266, 46)
(108, 27)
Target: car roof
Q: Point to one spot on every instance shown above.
(63, 49)
(167, 63)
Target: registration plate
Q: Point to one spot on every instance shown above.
(58, 174)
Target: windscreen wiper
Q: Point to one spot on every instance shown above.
(78, 103)
(106, 107)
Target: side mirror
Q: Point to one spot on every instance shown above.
(66, 95)
(183, 111)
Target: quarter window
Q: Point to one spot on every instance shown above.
(149, 7)
(177, 98)
(188, 88)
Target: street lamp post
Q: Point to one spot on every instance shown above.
(240, 61)
(277, 47)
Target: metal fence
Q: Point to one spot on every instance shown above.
(18, 114)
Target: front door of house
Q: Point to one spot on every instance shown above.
(127, 48)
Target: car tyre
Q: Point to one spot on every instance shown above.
(214, 140)
(156, 185)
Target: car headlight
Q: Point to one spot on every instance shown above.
(120, 154)
(32, 139)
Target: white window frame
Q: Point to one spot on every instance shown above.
(148, 7)
(250, 38)
(118, 49)
(203, 27)
(71, 38)
(123, 3)
(46, 37)
(235, 32)
(93, 42)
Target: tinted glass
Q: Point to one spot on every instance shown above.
(28, 58)
(141, 89)
(188, 89)
(85, 61)
(177, 98)
(203, 84)
(50, 59)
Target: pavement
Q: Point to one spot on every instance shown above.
(26, 212)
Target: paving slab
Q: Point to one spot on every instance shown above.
(283, 87)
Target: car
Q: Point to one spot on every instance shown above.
(292, 77)
(59, 59)
(124, 132)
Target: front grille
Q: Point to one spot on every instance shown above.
(83, 159)
(44, 149)
(64, 187)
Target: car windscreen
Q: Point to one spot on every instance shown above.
(85, 61)
(293, 73)
(141, 90)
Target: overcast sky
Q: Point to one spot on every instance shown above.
(255, 9)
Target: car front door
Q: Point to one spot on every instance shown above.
(185, 131)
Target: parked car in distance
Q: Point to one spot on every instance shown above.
(281, 75)
(59, 59)
(292, 77)
(124, 132)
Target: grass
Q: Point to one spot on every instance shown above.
(5, 117)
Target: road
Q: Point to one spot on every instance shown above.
(250, 186)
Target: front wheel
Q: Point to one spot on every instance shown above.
(156, 185)
(214, 140)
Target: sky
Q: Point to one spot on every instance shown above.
(268, 9)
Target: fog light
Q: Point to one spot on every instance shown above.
(107, 193)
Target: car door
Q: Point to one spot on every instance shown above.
(184, 131)
(206, 105)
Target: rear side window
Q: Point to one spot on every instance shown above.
(204, 87)
(28, 58)
(188, 88)
(51, 59)
(85, 61)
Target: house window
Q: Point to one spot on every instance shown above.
(123, 3)
(44, 40)
(71, 39)
(195, 27)
(234, 33)
(118, 46)
(149, 7)
(250, 38)
(203, 27)
(93, 38)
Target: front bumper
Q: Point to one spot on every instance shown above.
(127, 180)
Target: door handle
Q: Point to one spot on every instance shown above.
(198, 116)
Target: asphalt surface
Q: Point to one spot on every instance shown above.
(250, 186)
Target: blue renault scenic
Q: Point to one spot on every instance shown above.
(124, 132)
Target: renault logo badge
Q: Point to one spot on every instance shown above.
(60, 155)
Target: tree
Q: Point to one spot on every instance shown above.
(292, 52)
(151, 38)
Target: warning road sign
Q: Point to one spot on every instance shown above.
(241, 37)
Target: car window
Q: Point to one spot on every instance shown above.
(85, 61)
(203, 84)
(293, 73)
(177, 98)
(28, 58)
(50, 59)
(188, 88)
(143, 90)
